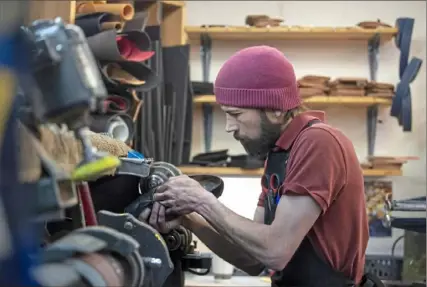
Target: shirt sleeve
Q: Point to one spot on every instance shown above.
(316, 167)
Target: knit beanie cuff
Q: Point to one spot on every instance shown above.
(282, 99)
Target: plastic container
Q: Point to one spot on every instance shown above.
(386, 267)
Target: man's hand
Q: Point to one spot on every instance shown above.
(181, 195)
(157, 218)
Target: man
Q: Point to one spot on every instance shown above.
(310, 225)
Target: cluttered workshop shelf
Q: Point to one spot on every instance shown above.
(373, 166)
(318, 90)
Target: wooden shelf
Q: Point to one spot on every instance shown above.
(172, 22)
(238, 33)
(48, 9)
(234, 171)
(319, 101)
(173, 4)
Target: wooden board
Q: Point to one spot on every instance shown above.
(235, 281)
(172, 21)
(319, 101)
(234, 171)
(238, 33)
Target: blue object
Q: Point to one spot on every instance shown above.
(17, 200)
(19, 235)
(135, 154)
(277, 198)
(272, 184)
(401, 107)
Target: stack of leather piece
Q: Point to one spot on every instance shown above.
(373, 24)
(382, 90)
(261, 21)
(347, 86)
(312, 85)
(116, 37)
(386, 162)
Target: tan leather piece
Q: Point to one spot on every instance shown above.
(373, 24)
(115, 72)
(378, 85)
(381, 94)
(137, 106)
(388, 162)
(347, 92)
(316, 79)
(313, 85)
(382, 90)
(311, 92)
(354, 82)
(111, 274)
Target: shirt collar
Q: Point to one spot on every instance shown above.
(294, 128)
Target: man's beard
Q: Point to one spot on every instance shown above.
(260, 147)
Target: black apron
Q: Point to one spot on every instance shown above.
(307, 267)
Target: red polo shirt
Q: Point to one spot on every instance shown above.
(323, 164)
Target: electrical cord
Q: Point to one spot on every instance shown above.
(393, 247)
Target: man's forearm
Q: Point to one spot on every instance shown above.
(224, 248)
(253, 237)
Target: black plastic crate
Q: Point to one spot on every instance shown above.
(386, 267)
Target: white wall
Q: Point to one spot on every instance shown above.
(328, 58)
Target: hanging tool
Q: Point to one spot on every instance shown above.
(69, 86)
(401, 107)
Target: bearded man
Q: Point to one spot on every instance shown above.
(310, 224)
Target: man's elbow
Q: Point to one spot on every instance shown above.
(278, 259)
(254, 270)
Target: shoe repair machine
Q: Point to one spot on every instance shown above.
(58, 229)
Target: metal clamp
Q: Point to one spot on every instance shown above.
(133, 166)
(372, 111)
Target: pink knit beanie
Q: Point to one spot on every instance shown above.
(258, 77)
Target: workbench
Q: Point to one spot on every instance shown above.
(235, 281)
(254, 281)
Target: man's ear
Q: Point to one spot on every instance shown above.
(275, 117)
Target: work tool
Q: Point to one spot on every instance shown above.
(152, 248)
(61, 64)
(416, 224)
(160, 172)
(272, 183)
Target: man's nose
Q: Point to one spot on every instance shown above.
(230, 127)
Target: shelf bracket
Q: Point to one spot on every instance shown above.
(206, 57)
(372, 111)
